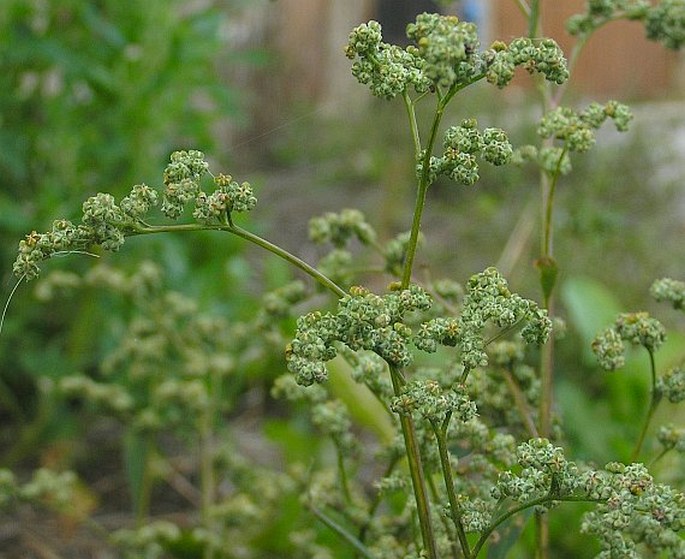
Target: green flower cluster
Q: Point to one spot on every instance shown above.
(182, 178)
(552, 159)
(108, 396)
(363, 320)
(387, 69)
(105, 223)
(46, 487)
(433, 402)
(672, 438)
(333, 419)
(575, 128)
(447, 46)
(445, 55)
(395, 252)
(462, 144)
(544, 472)
(664, 21)
(279, 302)
(638, 329)
(339, 228)
(535, 55)
(633, 510)
(667, 289)
(182, 184)
(487, 300)
(160, 374)
(149, 540)
(672, 385)
(599, 12)
(228, 197)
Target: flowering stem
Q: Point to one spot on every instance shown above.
(424, 183)
(251, 237)
(533, 18)
(549, 208)
(455, 510)
(485, 535)
(418, 478)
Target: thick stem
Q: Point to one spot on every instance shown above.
(418, 478)
(534, 19)
(455, 510)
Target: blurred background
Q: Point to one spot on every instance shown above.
(94, 95)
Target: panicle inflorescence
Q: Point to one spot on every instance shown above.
(106, 223)
(487, 300)
(575, 128)
(445, 55)
(667, 289)
(544, 472)
(363, 320)
(633, 510)
(638, 329)
(664, 21)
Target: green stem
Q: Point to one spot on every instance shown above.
(534, 19)
(422, 189)
(654, 403)
(342, 474)
(455, 509)
(416, 471)
(329, 284)
(549, 207)
(485, 535)
(413, 125)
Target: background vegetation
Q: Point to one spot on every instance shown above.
(94, 95)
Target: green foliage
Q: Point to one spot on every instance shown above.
(464, 434)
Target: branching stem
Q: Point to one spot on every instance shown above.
(250, 237)
(416, 472)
